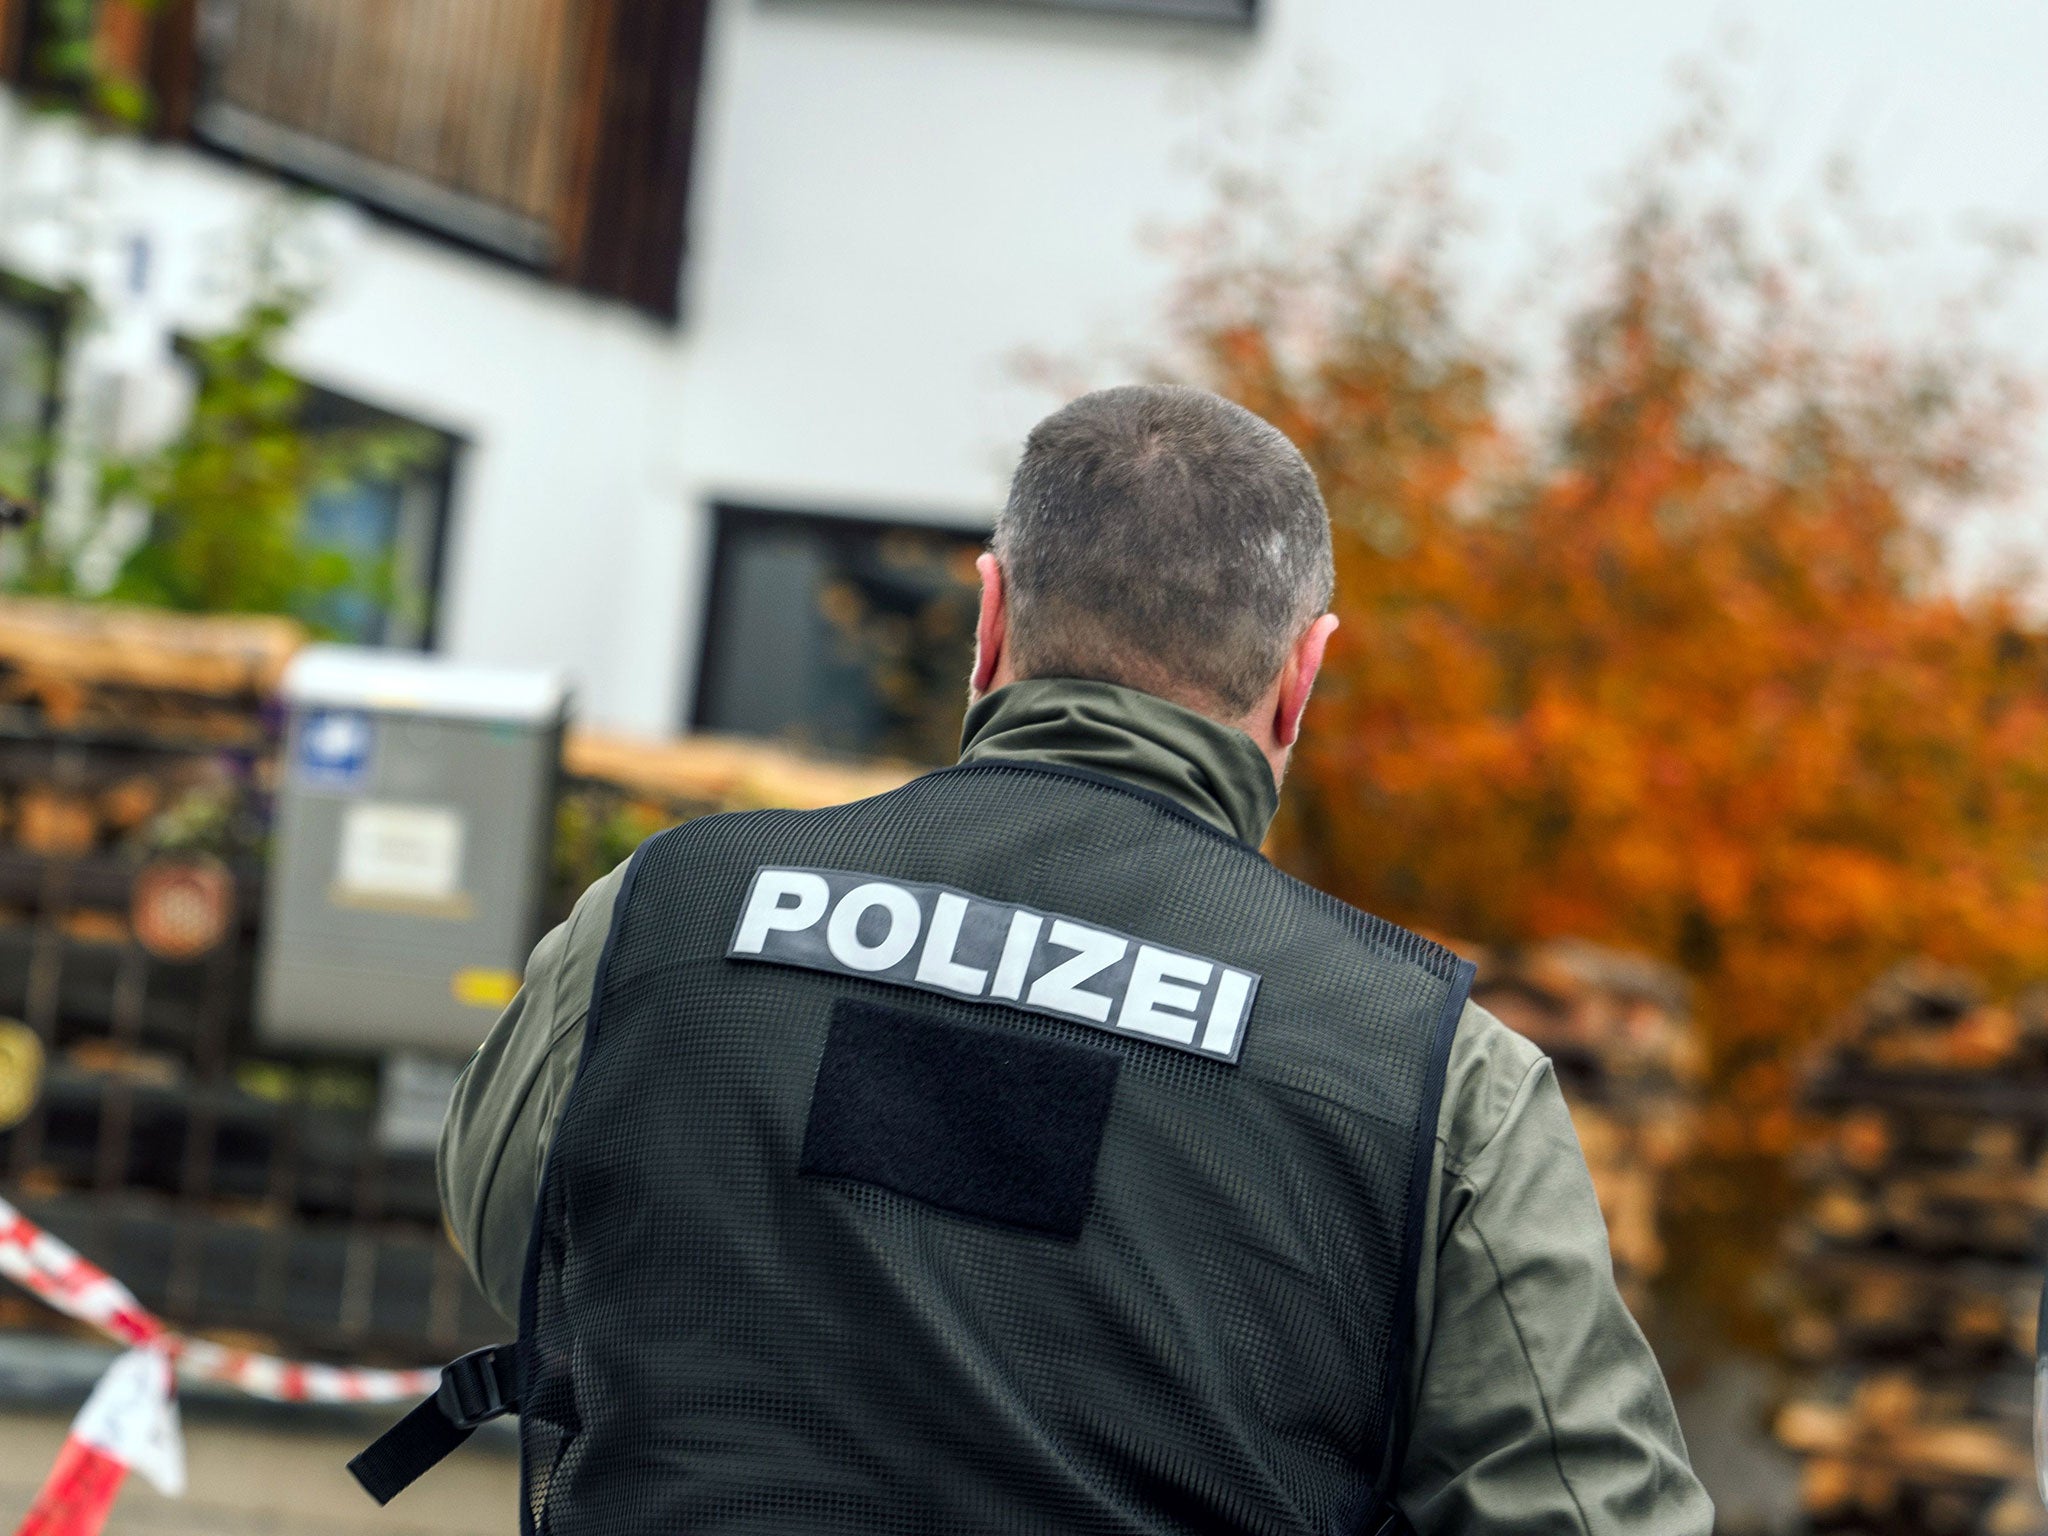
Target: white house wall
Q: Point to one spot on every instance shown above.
(894, 199)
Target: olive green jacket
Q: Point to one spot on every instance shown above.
(1537, 1405)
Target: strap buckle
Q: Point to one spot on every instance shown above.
(476, 1388)
(480, 1386)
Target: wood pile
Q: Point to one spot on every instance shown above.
(617, 791)
(1918, 1257)
(125, 729)
(724, 773)
(1618, 1030)
(78, 667)
(145, 704)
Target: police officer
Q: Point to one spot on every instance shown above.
(1018, 1150)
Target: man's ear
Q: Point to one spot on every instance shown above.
(1298, 678)
(991, 628)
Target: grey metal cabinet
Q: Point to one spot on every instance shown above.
(413, 830)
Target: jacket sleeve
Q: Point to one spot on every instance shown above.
(1538, 1406)
(503, 1115)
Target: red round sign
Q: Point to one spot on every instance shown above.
(181, 905)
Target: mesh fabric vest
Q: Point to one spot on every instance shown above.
(715, 1342)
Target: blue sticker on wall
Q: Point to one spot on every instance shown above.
(334, 747)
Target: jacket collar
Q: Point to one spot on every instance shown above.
(1215, 771)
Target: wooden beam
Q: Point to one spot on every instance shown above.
(172, 68)
(632, 239)
(15, 17)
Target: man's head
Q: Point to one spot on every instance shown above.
(1168, 540)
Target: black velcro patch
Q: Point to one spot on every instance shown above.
(982, 1122)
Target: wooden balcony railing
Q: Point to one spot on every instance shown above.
(553, 132)
(467, 114)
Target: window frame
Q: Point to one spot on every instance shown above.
(56, 313)
(716, 635)
(440, 480)
(345, 411)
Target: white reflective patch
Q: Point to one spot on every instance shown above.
(1156, 988)
(937, 965)
(1226, 1014)
(766, 911)
(1059, 989)
(994, 952)
(1018, 945)
(842, 933)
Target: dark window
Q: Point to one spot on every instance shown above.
(844, 634)
(391, 528)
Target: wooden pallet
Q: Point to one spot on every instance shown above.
(1917, 1257)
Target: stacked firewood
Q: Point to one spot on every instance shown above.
(1618, 1029)
(1918, 1257)
(124, 730)
(712, 773)
(617, 791)
(122, 724)
(98, 668)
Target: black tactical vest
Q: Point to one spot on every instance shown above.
(1010, 1152)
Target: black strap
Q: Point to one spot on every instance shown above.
(416, 1443)
(475, 1389)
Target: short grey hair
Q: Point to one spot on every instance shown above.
(1163, 538)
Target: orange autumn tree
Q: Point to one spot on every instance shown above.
(1677, 668)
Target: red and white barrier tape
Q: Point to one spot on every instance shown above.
(129, 1424)
(50, 1269)
(40, 1264)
